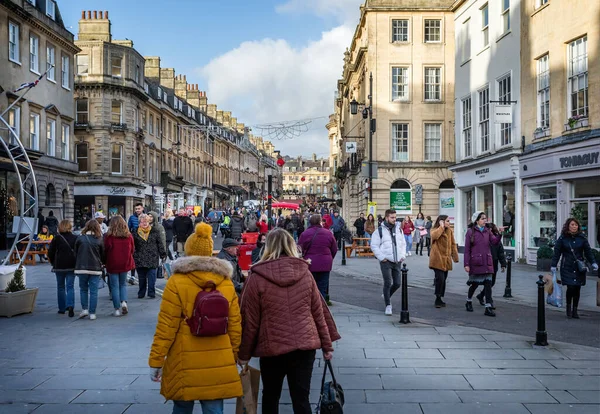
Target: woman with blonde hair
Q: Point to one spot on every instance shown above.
(285, 320)
(89, 253)
(119, 248)
(263, 224)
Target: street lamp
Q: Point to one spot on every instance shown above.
(367, 113)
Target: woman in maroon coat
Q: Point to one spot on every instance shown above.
(478, 260)
(119, 248)
(319, 246)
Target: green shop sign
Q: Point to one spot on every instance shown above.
(401, 200)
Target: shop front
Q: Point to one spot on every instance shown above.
(558, 183)
(491, 185)
(111, 200)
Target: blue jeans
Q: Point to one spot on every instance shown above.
(118, 288)
(322, 279)
(408, 238)
(147, 278)
(88, 283)
(66, 298)
(208, 407)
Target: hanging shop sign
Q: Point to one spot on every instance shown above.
(503, 114)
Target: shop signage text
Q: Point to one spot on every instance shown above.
(401, 201)
(482, 171)
(117, 190)
(502, 114)
(579, 160)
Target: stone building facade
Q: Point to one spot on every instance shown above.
(487, 84)
(35, 41)
(145, 135)
(408, 48)
(306, 179)
(560, 120)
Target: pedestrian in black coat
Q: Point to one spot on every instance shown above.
(52, 223)
(571, 246)
(359, 223)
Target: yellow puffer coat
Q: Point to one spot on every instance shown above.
(196, 368)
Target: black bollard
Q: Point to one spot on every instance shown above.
(541, 336)
(507, 289)
(404, 315)
(343, 252)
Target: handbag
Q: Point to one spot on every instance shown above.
(580, 264)
(331, 400)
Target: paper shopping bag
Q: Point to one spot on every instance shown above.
(248, 404)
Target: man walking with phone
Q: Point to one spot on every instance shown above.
(389, 247)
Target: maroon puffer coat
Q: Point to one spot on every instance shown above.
(283, 311)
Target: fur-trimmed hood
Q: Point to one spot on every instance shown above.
(202, 269)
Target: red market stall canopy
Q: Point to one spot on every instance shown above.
(290, 206)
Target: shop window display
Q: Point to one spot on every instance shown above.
(541, 215)
(505, 216)
(485, 200)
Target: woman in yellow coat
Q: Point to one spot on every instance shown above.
(443, 253)
(190, 367)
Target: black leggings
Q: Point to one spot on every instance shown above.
(573, 294)
(487, 291)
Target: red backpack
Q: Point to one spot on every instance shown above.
(211, 312)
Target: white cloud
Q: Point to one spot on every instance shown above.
(269, 80)
(346, 11)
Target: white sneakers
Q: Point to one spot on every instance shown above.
(85, 313)
(409, 253)
(124, 309)
(388, 310)
(117, 312)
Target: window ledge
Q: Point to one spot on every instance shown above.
(539, 9)
(465, 62)
(51, 80)
(503, 35)
(15, 61)
(433, 102)
(34, 71)
(483, 50)
(66, 88)
(401, 101)
(401, 43)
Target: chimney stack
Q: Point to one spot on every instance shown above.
(96, 27)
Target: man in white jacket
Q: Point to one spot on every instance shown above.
(389, 247)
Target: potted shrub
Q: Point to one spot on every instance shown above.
(544, 258)
(17, 298)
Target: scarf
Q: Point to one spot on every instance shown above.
(144, 233)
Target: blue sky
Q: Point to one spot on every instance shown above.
(236, 50)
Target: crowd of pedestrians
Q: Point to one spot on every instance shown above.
(277, 312)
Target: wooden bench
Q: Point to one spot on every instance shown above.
(360, 250)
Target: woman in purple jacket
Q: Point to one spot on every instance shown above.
(478, 260)
(319, 245)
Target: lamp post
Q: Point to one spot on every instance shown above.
(367, 113)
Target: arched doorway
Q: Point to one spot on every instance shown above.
(401, 197)
(50, 199)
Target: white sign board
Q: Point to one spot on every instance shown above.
(502, 114)
(351, 147)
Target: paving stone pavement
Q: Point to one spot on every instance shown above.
(50, 363)
(523, 279)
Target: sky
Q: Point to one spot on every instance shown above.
(265, 60)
